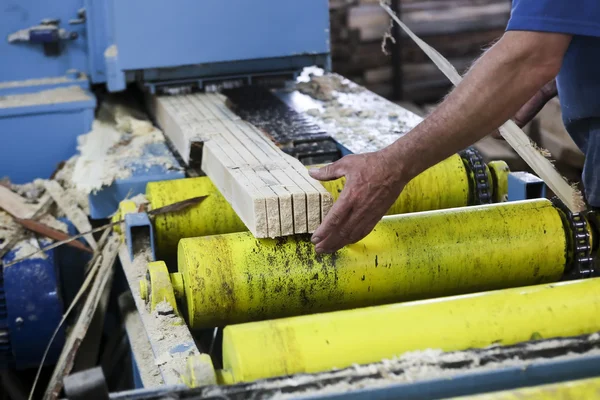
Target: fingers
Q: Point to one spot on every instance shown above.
(326, 236)
(329, 172)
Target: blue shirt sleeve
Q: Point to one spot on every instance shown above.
(575, 17)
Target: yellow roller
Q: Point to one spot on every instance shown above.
(236, 278)
(445, 185)
(321, 342)
(580, 389)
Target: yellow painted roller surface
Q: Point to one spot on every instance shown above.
(211, 216)
(321, 342)
(574, 390)
(443, 186)
(235, 278)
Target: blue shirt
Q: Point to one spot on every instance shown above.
(579, 78)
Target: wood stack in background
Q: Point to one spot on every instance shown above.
(459, 29)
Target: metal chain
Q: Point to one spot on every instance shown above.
(475, 163)
(583, 263)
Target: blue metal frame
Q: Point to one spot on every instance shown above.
(36, 137)
(525, 186)
(138, 222)
(148, 167)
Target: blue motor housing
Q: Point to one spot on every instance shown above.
(30, 309)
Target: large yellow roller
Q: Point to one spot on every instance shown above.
(580, 389)
(445, 185)
(236, 278)
(320, 342)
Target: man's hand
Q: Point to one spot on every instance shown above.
(373, 183)
(494, 90)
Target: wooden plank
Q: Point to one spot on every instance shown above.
(15, 205)
(513, 135)
(71, 210)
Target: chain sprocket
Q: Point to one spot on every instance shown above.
(475, 163)
(583, 263)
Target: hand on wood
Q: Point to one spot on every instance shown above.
(372, 186)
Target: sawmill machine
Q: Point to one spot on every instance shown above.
(225, 314)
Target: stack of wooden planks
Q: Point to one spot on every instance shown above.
(270, 190)
(459, 29)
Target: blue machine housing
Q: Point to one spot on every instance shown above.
(149, 42)
(30, 310)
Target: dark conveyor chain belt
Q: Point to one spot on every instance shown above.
(289, 129)
(475, 164)
(583, 262)
(457, 362)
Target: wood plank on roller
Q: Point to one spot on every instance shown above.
(271, 191)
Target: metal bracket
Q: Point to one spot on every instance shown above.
(139, 233)
(86, 385)
(525, 186)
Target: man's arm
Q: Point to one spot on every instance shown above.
(495, 88)
(533, 106)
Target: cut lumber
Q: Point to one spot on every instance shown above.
(71, 210)
(270, 191)
(15, 205)
(513, 135)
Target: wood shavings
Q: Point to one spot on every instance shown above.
(107, 153)
(359, 119)
(52, 96)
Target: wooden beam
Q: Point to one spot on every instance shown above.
(269, 190)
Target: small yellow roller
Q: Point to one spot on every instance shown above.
(320, 342)
(236, 278)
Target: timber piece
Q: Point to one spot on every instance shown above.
(241, 153)
(71, 210)
(267, 151)
(372, 23)
(103, 277)
(15, 205)
(298, 175)
(517, 139)
(234, 185)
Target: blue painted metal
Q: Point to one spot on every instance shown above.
(36, 137)
(144, 169)
(137, 378)
(524, 186)
(137, 225)
(538, 373)
(23, 60)
(214, 31)
(33, 310)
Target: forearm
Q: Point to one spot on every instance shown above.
(504, 79)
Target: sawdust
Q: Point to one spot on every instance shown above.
(139, 200)
(51, 96)
(8, 226)
(31, 191)
(65, 178)
(325, 87)
(357, 118)
(416, 366)
(111, 51)
(26, 247)
(117, 145)
(34, 82)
